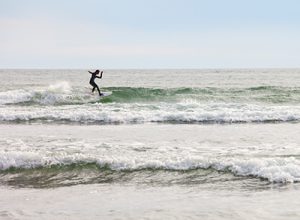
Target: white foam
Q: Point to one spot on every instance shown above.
(163, 112)
(60, 92)
(20, 154)
(15, 96)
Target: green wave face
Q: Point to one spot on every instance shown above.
(129, 94)
(264, 94)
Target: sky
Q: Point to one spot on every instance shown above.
(117, 34)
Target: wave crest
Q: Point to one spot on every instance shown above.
(277, 170)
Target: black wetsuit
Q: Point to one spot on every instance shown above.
(92, 82)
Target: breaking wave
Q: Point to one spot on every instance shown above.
(62, 93)
(275, 170)
(64, 104)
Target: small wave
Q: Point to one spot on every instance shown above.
(186, 112)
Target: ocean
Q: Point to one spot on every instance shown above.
(167, 144)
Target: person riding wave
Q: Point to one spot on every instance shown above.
(92, 81)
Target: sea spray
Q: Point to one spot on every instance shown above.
(60, 93)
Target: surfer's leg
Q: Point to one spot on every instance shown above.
(98, 90)
(94, 86)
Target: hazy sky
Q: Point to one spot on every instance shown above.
(149, 33)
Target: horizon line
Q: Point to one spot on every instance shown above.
(147, 68)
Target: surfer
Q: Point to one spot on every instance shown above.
(92, 80)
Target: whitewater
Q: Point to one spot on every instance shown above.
(208, 144)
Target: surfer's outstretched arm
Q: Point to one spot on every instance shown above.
(90, 72)
(100, 75)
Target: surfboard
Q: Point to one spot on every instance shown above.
(104, 94)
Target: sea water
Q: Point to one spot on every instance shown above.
(167, 144)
